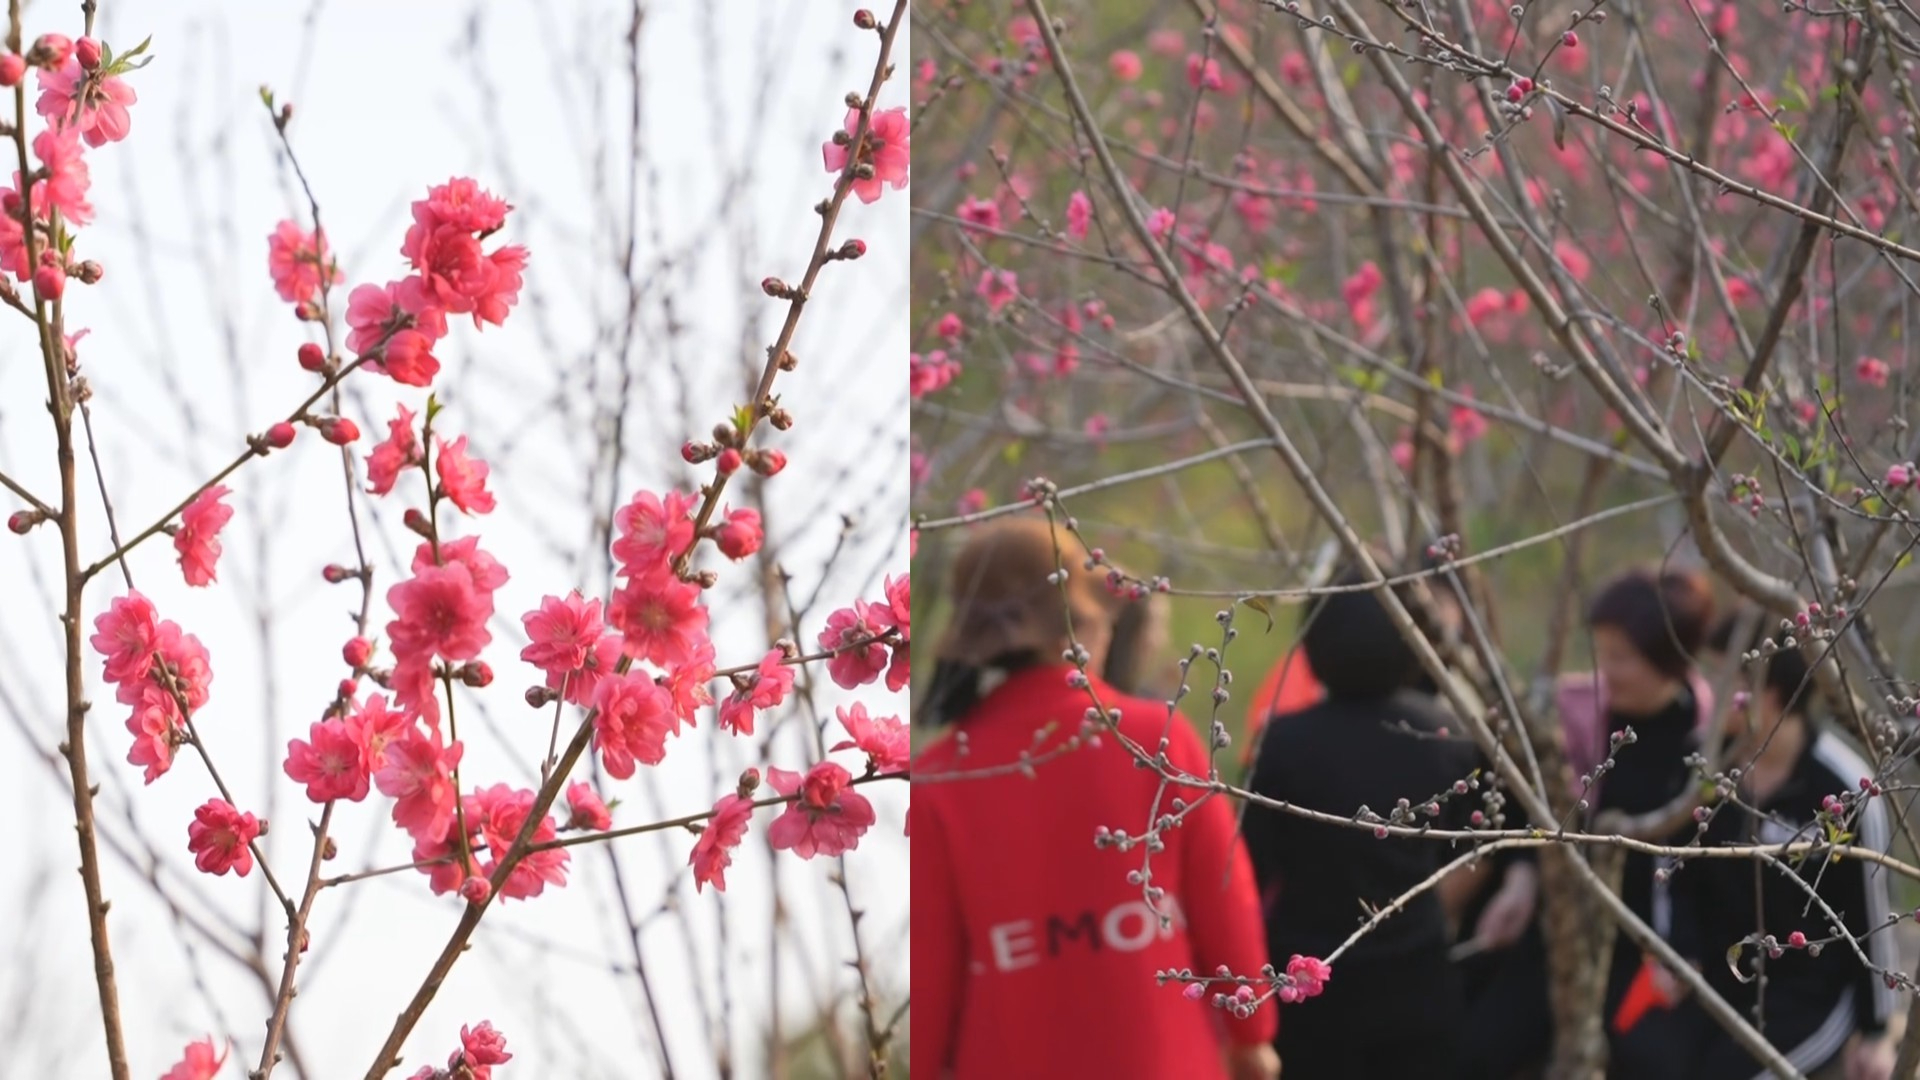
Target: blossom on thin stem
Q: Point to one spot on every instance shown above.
(887, 149)
(197, 539)
(201, 1062)
(713, 852)
(331, 762)
(764, 688)
(463, 478)
(218, 837)
(827, 818)
(883, 739)
(400, 451)
(96, 107)
(299, 263)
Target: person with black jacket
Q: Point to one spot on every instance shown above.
(1794, 781)
(1390, 1008)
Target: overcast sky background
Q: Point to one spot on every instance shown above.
(191, 349)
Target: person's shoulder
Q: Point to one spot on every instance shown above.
(939, 753)
(1832, 766)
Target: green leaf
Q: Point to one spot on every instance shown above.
(1262, 605)
(1014, 451)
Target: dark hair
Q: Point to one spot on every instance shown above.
(1352, 645)
(1786, 672)
(1664, 614)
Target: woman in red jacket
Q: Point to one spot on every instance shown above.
(1036, 949)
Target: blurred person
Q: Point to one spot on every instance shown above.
(1391, 1006)
(1646, 627)
(1034, 956)
(1137, 662)
(1826, 1011)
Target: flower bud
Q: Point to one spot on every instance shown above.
(775, 288)
(476, 673)
(20, 521)
(50, 280)
(50, 51)
(729, 461)
(539, 697)
(90, 272)
(853, 249)
(1570, 39)
(768, 462)
(339, 430)
(417, 521)
(280, 436)
(88, 50)
(864, 19)
(356, 652)
(476, 889)
(749, 783)
(312, 357)
(13, 68)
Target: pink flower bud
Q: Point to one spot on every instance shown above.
(476, 889)
(346, 689)
(864, 19)
(335, 573)
(729, 461)
(22, 520)
(13, 68)
(50, 280)
(769, 462)
(417, 521)
(339, 430)
(1898, 476)
(1570, 39)
(853, 249)
(280, 436)
(356, 652)
(1797, 939)
(312, 357)
(88, 50)
(89, 272)
(476, 673)
(1194, 992)
(690, 452)
(50, 50)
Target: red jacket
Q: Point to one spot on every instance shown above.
(1032, 955)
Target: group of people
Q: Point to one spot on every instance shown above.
(1079, 913)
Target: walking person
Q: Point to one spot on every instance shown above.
(1035, 950)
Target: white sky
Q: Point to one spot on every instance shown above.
(190, 349)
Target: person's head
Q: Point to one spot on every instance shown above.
(1352, 646)
(1139, 644)
(1647, 625)
(1784, 678)
(1008, 614)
